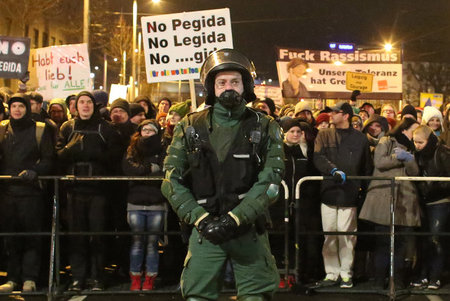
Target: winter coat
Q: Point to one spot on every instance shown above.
(145, 192)
(346, 150)
(20, 151)
(376, 207)
(434, 161)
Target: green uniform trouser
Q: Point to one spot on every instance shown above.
(254, 267)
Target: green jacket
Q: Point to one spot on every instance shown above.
(224, 125)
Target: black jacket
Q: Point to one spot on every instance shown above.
(434, 161)
(88, 148)
(20, 151)
(145, 192)
(346, 150)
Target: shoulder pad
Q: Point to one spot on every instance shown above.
(4, 122)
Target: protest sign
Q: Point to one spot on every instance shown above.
(323, 73)
(263, 91)
(175, 45)
(359, 81)
(431, 99)
(117, 91)
(61, 70)
(14, 53)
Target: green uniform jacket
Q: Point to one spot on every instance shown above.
(258, 197)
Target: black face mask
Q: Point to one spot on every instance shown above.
(230, 99)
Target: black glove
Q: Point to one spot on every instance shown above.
(28, 175)
(220, 230)
(204, 223)
(338, 175)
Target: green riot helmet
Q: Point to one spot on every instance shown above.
(227, 60)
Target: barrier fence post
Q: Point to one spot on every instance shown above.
(286, 232)
(53, 238)
(392, 242)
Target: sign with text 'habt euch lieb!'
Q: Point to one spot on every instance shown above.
(175, 45)
(14, 53)
(61, 70)
(305, 73)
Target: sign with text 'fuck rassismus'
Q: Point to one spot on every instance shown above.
(175, 45)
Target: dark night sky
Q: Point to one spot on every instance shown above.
(423, 27)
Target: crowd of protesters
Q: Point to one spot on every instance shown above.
(84, 136)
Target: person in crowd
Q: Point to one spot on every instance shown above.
(161, 120)
(101, 101)
(323, 121)
(137, 113)
(146, 205)
(434, 119)
(223, 168)
(287, 110)
(36, 102)
(339, 152)
(433, 159)
(353, 100)
(57, 111)
(375, 128)
(27, 151)
(419, 112)
(267, 105)
(2, 112)
(292, 87)
(87, 146)
(393, 157)
(304, 110)
(120, 120)
(176, 113)
(149, 107)
(298, 147)
(388, 111)
(408, 111)
(357, 123)
(392, 123)
(364, 115)
(164, 105)
(368, 107)
(70, 103)
(445, 135)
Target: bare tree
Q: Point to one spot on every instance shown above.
(432, 75)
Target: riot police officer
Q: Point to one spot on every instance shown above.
(223, 169)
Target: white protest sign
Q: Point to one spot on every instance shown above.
(175, 45)
(117, 91)
(60, 70)
(322, 73)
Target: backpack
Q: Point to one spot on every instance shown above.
(40, 126)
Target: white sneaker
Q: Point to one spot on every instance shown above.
(8, 287)
(29, 286)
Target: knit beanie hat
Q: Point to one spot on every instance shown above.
(270, 103)
(20, 97)
(151, 122)
(58, 101)
(101, 97)
(287, 123)
(135, 109)
(302, 106)
(322, 117)
(409, 109)
(181, 108)
(430, 112)
(122, 104)
(69, 98)
(161, 115)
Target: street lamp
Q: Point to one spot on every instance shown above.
(388, 47)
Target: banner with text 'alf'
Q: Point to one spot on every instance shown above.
(59, 71)
(175, 45)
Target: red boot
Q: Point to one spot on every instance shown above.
(148, 282)
(135, 282)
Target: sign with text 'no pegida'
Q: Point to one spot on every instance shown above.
(175, 45)
(14, 53)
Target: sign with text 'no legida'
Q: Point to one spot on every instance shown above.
(175, 45)
(14, 53)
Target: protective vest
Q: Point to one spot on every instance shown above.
(220, 186)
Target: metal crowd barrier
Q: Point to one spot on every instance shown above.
(392, 291)
(54, 268)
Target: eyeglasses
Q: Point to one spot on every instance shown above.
(388, 111)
